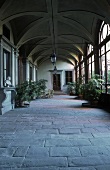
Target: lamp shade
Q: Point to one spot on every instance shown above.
(53, 58)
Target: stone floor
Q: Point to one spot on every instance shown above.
(55, 134)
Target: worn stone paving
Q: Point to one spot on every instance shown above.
(55, 134)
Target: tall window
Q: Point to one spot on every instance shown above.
(77, 72)
(31, 78)
(6, 65)
(90, 61)
(68, 76)
(82, 69)
(104, 55)
(104, 31)
(92, 65)
(89, 49)
(89, 67)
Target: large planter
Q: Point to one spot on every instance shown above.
(7, 99)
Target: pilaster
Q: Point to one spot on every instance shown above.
(16, 68)
(1, 63)
(27, 70)
(34, 73)
(13, 67)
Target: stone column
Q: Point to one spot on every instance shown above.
(86, 69)
(80, 76)
(96, 58)
(75, 69)
(16, 67)
(27, 71)
(74, 75)
(13, 67)
(1, 63)
(34, 73)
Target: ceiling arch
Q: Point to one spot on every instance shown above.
(42, 27)
(60, 57)
(33, 13)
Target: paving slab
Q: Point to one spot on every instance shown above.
(55, 134)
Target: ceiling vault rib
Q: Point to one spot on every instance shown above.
(53, 30)
(44, 27)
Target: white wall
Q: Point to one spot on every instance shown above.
(45, 72)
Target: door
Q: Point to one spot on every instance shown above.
(56, 82)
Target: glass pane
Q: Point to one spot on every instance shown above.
(92, 58)
(104, 31)
(5, 61)
(108, 46)
(93, 68)
(108, 29)
(102, 50)
(103, 66)
(89, 49)
(89, 71)
(108, 72)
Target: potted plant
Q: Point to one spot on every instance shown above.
(33, 89)
(71, 88)
(93, 89)
(29, 90)
(41, 87)
(22, 94)
(79, 86)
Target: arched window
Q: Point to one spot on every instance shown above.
(104, 31)
(90, 61)
(104, 55)
(89, 49)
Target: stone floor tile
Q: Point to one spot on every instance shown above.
(103, 167)
(70, 168)
(64, 151)
(72, 136)
(34, 162)
(78, 168)
(7, 152)
(25, 142)
(30, 136)
(100, 141)
(20, 151)
(67, 142)
(88, 130)
(101, 129)
(106, 159)
(10, 162)
(99, 134)
(85, 161)
(69, 131)
(4, 143)
(94, 150)
(31, 168)
(47, 131)
(37, 152)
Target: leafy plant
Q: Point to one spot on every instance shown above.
(28, 90)
(93, 88)
(79, 87)
(71, 88)
(22, 94)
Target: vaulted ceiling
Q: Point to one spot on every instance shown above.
(42, 27)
